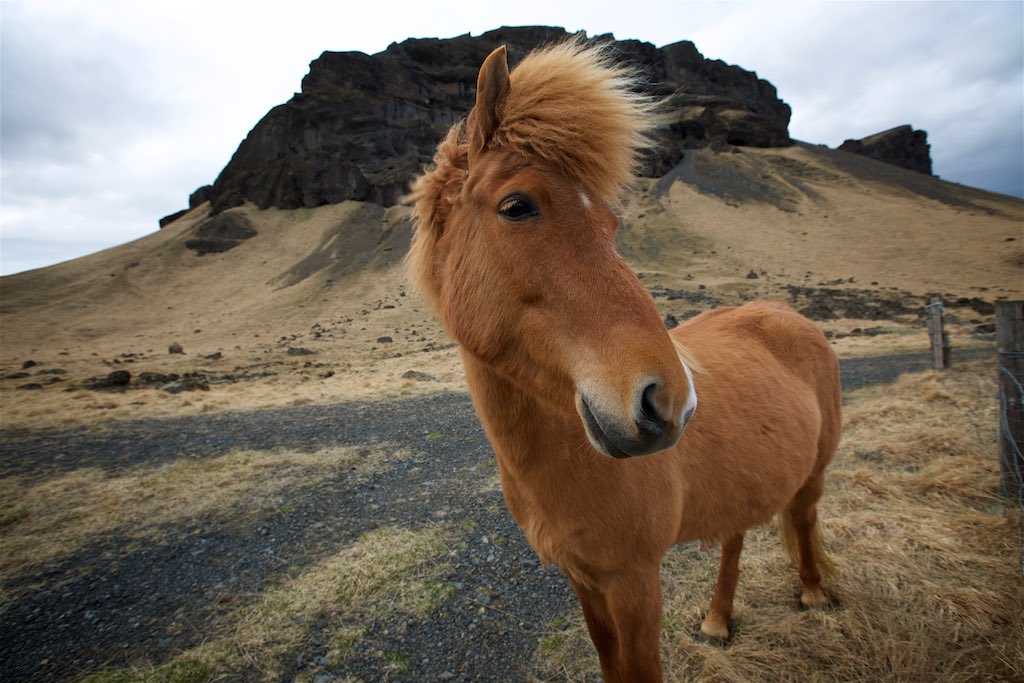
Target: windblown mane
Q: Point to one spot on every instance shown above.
(573, 107)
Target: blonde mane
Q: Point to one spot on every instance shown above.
(571, 106)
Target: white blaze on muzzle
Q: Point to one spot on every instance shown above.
(691, 397)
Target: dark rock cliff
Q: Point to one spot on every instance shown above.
(363, 126)
(901, 146)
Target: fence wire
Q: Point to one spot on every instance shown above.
(1011, 460)
(1011, 481)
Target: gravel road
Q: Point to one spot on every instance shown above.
(150, 599)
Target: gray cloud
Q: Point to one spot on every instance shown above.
(111, 113)
(849, 70)
(64, 99)
(84, 119)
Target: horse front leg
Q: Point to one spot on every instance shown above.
(716, 625)
(623, 617)
(599, 624)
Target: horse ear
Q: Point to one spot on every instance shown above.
(492, 86)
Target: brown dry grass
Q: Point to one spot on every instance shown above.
(853, 227)
(373, 376)
(928, 582)
(360, 374)
(86, 316)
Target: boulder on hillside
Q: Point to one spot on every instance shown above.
(202, 194)
(901, 146)
(220, 233)
(363, 126)
(170, 218)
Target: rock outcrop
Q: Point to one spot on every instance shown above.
(220, 233)
(363, 126)
(171, 217)
(901, 146)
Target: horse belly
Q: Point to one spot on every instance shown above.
(748, 478)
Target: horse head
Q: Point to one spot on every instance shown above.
(515, 247)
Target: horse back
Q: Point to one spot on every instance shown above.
(774, 327)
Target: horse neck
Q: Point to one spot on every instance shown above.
(523, 430)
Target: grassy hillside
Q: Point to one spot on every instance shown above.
(315, 307)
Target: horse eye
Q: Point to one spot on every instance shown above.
(517, 208)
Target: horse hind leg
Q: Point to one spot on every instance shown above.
(802, 536)
(716, 625)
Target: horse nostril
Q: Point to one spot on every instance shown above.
(650, 418)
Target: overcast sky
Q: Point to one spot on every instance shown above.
(113, 112)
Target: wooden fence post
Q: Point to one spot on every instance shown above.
(1010, 366)
(937, 335)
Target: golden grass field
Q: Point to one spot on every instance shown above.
(929, 579)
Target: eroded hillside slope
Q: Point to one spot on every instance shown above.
(311, 305)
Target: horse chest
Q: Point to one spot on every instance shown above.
(573, 524)
(555, 544)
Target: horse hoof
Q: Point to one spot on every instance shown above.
(813, 598)
(714, 631)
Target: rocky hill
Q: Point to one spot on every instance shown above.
(364, 125)
(901, 146)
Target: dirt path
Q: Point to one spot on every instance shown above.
(121, 599)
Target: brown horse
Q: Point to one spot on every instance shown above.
(568, 361)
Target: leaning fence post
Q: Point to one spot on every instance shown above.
(937, 335)
(1010, 362)
(1010, 366)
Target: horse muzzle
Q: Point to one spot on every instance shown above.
(648, 427)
